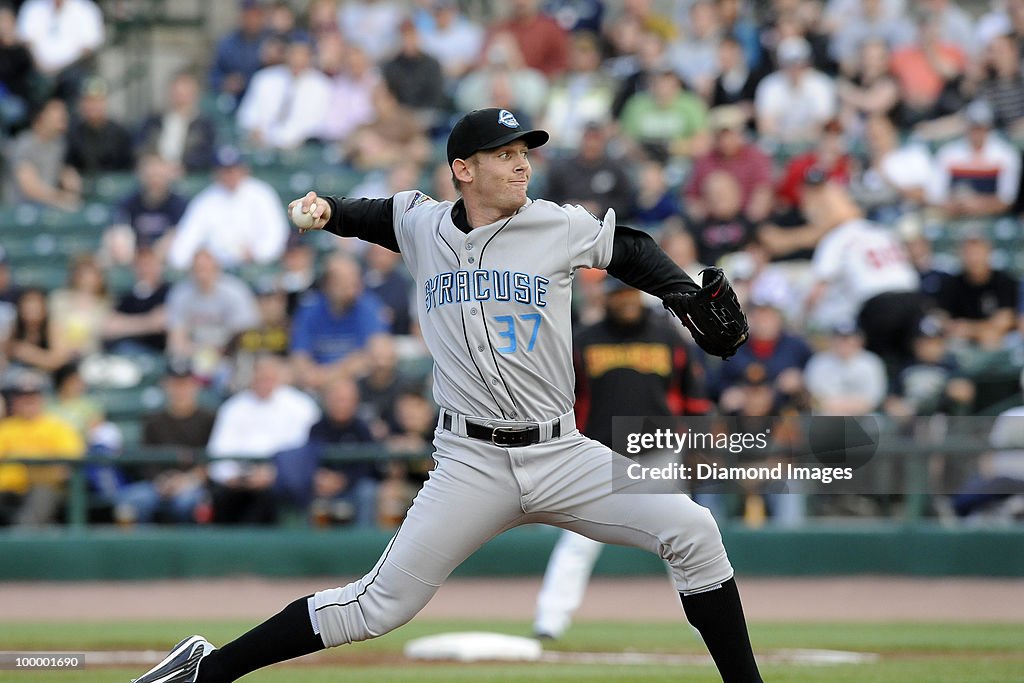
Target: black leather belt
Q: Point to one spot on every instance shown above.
(505, 437)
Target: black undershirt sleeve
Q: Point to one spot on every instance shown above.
(371, 220)
(638, 261)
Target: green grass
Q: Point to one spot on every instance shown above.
(888, 672)
(910, 653)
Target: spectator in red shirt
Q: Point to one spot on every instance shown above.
(733, 153)
(543, 43)
(831, 155)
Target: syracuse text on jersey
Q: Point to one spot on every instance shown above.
(458, 286)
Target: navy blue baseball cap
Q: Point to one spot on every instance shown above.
(489, 129)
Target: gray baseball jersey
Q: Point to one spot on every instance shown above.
(494, 304)
(494, 310)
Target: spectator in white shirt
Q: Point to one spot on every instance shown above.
(372, 25)
(582, 95)
(793, 103)
(285, 104)
(61, 34)
(955, 24)
(897, 176)
(353, 79)
(978, 174)
(239, 219)
(872, 21)
(694, 56)
(845, 379)
(868, 265)
(267, 418)
(839, 13)
(453, 40)
(1005, 18)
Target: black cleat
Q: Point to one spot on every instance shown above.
(181, 665)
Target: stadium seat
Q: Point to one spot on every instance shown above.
(113, 187)
(7, 219)
(1007, 229)
(258, 275)
(415, 369)
(193, 184)
(337, 181)
(93, 217)
(279, 178)
(310, 156)
(131, 431)
(45, 275)
(128, 404)
(20, 246)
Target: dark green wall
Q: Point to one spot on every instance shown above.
(179, 553)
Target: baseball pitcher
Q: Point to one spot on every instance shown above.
(493, 274)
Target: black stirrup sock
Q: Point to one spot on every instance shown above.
(718, 615)
(286, 635)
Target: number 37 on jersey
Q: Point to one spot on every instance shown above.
(515, 332)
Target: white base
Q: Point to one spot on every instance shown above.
(473, 647)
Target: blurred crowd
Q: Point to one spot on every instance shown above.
(737, 133)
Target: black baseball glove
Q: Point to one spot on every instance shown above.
(712, 314)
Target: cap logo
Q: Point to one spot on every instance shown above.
(506, 118)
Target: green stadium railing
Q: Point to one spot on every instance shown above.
(78, 495)
(909, 457)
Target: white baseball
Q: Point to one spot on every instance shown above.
(300, 218)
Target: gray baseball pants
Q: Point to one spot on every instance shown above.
(478, 490)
